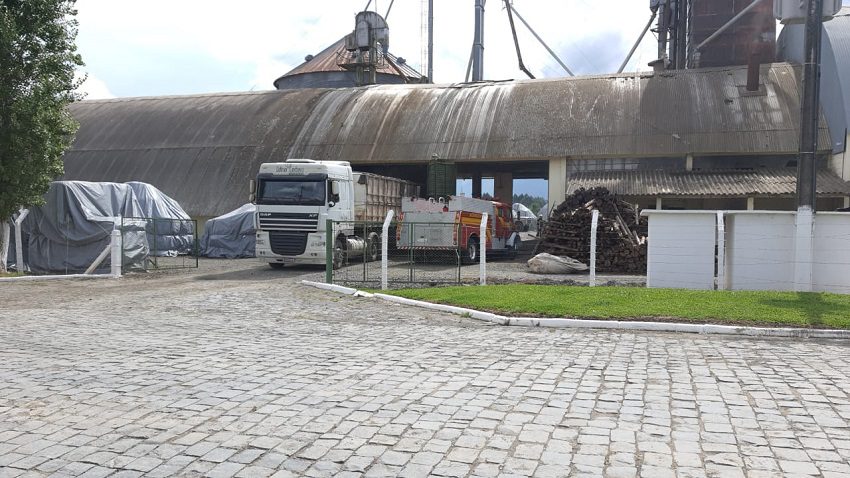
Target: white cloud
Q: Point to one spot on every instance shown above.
(270, 37)
(95, 89)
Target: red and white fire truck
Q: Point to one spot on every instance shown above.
(455, 224)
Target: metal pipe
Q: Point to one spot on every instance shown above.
(809, 114)
(469, 66)
(728, 24)
(516, 40)
(387, 15)
(478, 43)
(637, 43)
(569, 72)
(431, 41)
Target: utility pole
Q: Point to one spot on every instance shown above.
(807, 159)
(478, 43)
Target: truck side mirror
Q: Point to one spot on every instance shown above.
(334, 188)
(253, 191)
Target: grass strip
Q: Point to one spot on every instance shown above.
(813, 310)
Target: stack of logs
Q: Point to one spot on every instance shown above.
(621, 234)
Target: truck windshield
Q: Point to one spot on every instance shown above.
(291, 192)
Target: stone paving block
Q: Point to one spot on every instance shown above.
(374, 389)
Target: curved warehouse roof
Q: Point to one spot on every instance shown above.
(201, 150)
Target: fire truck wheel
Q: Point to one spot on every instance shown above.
(471, 253)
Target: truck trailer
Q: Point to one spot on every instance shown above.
(296, 198)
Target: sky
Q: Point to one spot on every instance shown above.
(192, 46)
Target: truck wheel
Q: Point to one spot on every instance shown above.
(471, 252)
(373, 245)
(276, 265)
(339, 254)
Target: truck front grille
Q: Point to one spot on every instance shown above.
(288, 243)
(295, 222)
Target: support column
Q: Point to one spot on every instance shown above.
(847, 201)
(689, 163)
(476, 184)
(658, 204)
(503, 187)
(557, 182)
(751, 204)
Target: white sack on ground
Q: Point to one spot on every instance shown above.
(548, 264)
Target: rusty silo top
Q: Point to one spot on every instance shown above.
(331, 59)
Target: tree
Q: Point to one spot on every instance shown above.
(38, 60)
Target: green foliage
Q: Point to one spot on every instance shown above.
(37, 63)
(753, 308)
(532, 202)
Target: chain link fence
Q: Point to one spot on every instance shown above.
(159, 243)
(418, 254)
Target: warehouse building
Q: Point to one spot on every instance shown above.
(724, 137)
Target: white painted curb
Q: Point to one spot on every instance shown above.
(59, 277)
(337, 288)
(707, 329)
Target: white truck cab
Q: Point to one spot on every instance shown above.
(296, 198)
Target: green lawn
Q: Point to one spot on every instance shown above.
(752, 308)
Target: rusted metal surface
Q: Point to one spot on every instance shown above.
(734, 46)
(765, 182)
(329, 60)
(201, 150)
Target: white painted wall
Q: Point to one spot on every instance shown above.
(831, 270)
(681, 249)
(760, 250)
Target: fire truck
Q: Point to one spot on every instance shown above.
(455, 224)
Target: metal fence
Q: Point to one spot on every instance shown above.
(418, 254)
(159, 244)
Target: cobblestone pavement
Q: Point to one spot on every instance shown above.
(246, 373)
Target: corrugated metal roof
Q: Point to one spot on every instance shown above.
(331, 57)
(202, 149)
(718, 183)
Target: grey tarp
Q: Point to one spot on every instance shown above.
(232, 235)
(170, 230)
(74, 225)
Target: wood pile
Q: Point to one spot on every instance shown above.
(621, 235)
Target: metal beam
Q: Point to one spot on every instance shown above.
(638, 42)
(728, 24)
(516, 40)
(569, 72)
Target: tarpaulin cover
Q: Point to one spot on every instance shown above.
(73, 227)
(232, 235)
(170, 230)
